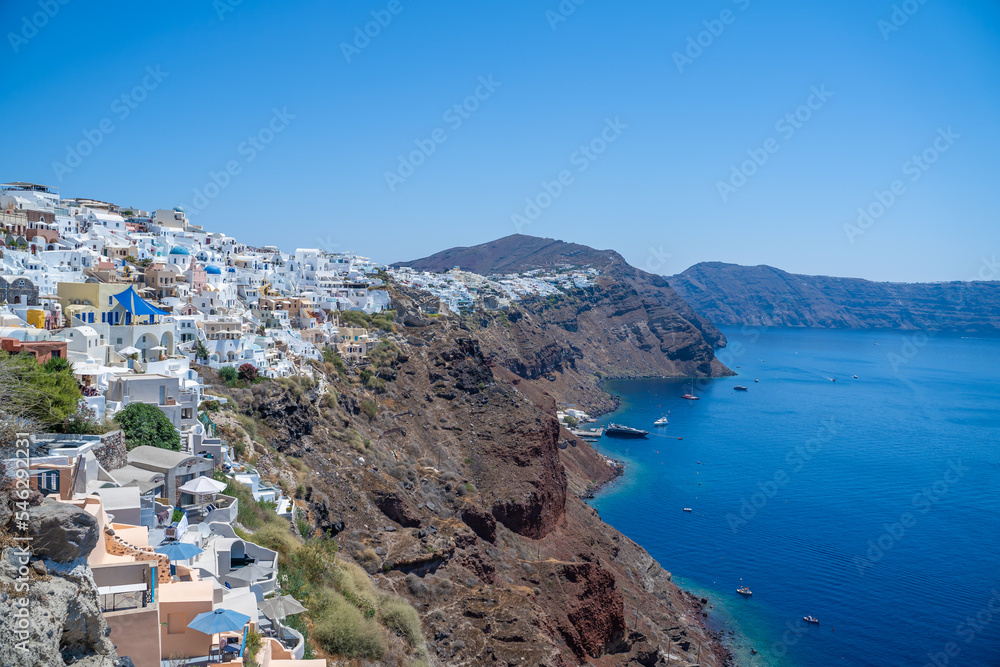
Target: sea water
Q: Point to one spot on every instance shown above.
(869, 503)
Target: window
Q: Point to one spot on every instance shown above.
(49, 481)
(176, 624)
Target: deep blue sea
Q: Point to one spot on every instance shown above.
(872, 504)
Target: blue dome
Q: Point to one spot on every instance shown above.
(178, 250)
(179, 209)
(213, 270)
(232, 270)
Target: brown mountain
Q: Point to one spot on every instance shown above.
(630, 323)
(451, 482)
(731, 294)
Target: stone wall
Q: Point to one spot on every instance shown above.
(111, 453)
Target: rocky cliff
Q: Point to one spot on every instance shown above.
(629, 323)
(730, 294)
(446, 475)
(49, 610)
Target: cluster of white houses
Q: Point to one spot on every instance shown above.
(133, 299)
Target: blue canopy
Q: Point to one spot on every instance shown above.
(219, 620)
(178, 550)
(136, 305)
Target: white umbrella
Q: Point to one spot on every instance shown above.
(203, 486)
(158, 347)
(126, 351)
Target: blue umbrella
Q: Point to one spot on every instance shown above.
(219, 620)
(178, 550)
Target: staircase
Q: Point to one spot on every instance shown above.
(119, 547)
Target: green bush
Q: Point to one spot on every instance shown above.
(369, 407)
(47, 394)
(248, 424)
(145, 424)
(401, 618)
(342, 629)
(229, 375)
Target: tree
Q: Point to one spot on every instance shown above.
(145, 424)
(248, 372)
(228, 374)
(200, 351)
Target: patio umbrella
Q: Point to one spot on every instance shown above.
(203, 486)
(178, 550)
(126, 351)
(251, 573)
(219, 620)
(279, 607)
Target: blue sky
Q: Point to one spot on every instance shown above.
(661, 133)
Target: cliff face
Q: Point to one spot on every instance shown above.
(730, 294)
(49, 610)
(630, 323)
(454, 486)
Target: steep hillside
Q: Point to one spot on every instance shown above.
(630, 323)
(730, 294)
(447, 477)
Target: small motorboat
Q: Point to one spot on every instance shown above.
(744, 591)
(740, 387)
(810, 619)
(691, 397)
(855, 377)
(687, 509)
(756, 380)
(662, 421)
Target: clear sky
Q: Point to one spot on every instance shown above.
(311, 117)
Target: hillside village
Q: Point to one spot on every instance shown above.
(130, 302)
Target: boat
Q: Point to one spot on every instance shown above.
(662, 421)
(855, 377)
(740, 387)
(687, 509)
(691, 397)
(756, 380)
(744, 591)
(810, 619)
(619, 431)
